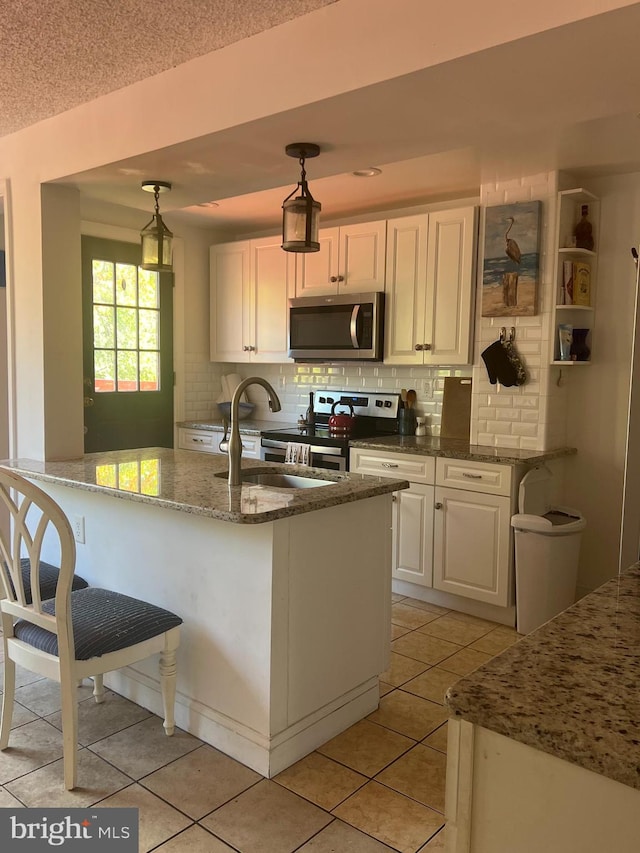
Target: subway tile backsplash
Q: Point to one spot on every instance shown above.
(294, 381)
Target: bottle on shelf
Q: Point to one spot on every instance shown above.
(583, 232)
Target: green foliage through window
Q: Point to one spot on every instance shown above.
(126, 327)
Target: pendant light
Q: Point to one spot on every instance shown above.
(156, 237)
(300, 215)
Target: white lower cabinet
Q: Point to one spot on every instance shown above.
(472, 545)
(413, 534)
(207, 441)
(455, 540)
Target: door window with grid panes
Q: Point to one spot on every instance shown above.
(126, 327)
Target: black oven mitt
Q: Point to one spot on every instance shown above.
(503, 364)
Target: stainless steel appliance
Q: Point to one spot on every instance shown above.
(374, 414)
(337, 328)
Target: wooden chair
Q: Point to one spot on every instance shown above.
(78, 634)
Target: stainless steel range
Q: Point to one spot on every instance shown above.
(375, 413)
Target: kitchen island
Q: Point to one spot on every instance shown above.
(544, 740)
(285, 593)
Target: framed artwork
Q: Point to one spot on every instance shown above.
(511, 269)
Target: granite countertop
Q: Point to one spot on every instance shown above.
(247, 426)
(454, 448)
(187, 482)
(570, 688)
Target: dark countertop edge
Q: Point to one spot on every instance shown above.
(568, 650)
(459, 449)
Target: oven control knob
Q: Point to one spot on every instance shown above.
(330, 400)
(387, 404)
(379, 404)
(322, 399)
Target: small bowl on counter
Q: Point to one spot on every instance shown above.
(244, 410)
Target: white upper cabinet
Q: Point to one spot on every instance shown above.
(430, 287)
(229, 300)
(251, 283)
(351, 260)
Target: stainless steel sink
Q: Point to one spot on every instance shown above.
(276, 480)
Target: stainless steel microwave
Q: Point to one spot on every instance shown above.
(337, 328)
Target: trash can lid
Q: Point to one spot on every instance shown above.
(560, 517)
(533, 493)
(559, 521)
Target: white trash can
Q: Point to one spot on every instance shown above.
(547, 548)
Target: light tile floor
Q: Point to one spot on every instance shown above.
(379, 786)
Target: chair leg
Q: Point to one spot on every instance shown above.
(69, 731)
(98, 688)
(168, 685)
(8, 686)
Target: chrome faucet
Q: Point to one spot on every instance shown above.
(234, 445)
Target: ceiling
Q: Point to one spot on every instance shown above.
(564, 99)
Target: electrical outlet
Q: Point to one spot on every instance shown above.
(281, 383)
(427, 388)
(77, 524)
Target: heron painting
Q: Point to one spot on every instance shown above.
(511, 260)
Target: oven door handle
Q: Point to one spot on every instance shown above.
(353, 326)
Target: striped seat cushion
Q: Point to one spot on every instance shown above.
(48, 580)
(103, 622)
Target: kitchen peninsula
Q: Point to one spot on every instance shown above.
(285, 592)
(544, 740)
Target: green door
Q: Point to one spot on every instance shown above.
(128, 349)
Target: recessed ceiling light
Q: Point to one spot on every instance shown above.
(371, 172)
(209, 204)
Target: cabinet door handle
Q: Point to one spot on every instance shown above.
(340, 278)
(426, 346)
(390, 465)
(418, 347)
(471, 476)
(333, 278)
(438, 505)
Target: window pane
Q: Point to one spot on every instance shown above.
(149, 329)
(102, 276)
(126, 285)
(127, 371)
(127, 328)
(104, 366)
(104, 328)
(149, 371)
(148, 284)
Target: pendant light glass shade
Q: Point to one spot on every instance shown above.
(301, 215)
(156, 237)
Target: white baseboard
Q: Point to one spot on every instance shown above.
(267, 756)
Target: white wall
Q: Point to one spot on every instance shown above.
(597, 400)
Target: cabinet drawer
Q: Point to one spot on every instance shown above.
(380, 463)
(196, 439)
(474, 476)
(250, 446)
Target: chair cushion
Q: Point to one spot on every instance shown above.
(103, 622)
(48, 580)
